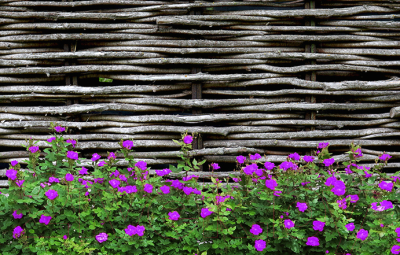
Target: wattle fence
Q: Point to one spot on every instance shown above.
(268, 77)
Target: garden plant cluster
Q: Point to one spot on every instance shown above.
(303, 205)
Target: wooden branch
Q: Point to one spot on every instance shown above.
(30, 80)
(391, 134)
(296, 55)
(19, 117)
(86, 137)
(353, 116)
(297, 144)
(313, 38)
(198, 103)
(68, 26)
(378, 153)
(294, 28)
(309, 134)
(395, 112)
(307, 107)
(81, 3)
(367, 52)
(192, 119)
(372, 63)
(359, 23)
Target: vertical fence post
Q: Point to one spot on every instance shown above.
(310, 76)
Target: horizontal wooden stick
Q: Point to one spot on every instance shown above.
(354, 116)
(296, 55)
(367, 52)
(85, 137)
(9, 126)
(336, 123)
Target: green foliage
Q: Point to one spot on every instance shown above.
(235, 210)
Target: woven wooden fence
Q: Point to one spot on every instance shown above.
(271, 77)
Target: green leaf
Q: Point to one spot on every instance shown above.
(36, 190)
(194, 162)
(201, 162)
(105, 80)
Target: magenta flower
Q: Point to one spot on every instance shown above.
(20, 182)
(130, 189)
(342, 203)
(255, 156)
(367, 175)
(51, 139)
(130, 230)
(329, 161)
(256, 229)
(330, 181)
(59, 129)
(271, 184)
(16, 215)
(14, 163)
(127, 144)
(305, 183)
(114, 183)
(98, 180)
(141, 165)
(288, 223)
(102, 237)
(288, 165)
(65, 237)
(45, 219)
(385, 157)
(83, 171)
(397, 230)
(69, 177)
(33, 149)
(165, 189)
(382, 225)
(240, 159)
(395, 249)
(72, 154)
(140, 230)
(102, 163)
(339, 188)
(353, 198)
(54, 179)
(187, 190)
(51, 194)
(302, 206)
(188, 139)
(386, 186)
(318, 225)
(205, 212)
(312, 241)
(322, 145)
(174, 215)
(269, 165)
(294, 156)
(386, 204)
(12, 174)
(357, 153)
(122, 177)
(95, 157)
(18, 231)
(308, 159)
(350, 226)
(73, 142)
(362, 234)
(148, 188)
(177, 184)
(276, 192)
(260, 245)
(215, 166)
(112, 155)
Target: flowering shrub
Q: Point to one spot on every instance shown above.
(301, 206)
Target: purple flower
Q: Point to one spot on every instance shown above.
(20, 182)
(163, 172)
(271, 184)
(288, 223)
(322, 145)
(33, 149)
(362, 234)
(165, 189)
(174, 215)
(250, 169)
(308, 159)
(69, 177)
(350, 226)
(14, 163)
(102, 163)
(177, 184)
(54, 179)
(236, 179)
(83, 171)
(288, 165)
(302, 206)
(276, 192)
(18, 231)
(256, 229)
(330, 181)
(72, 154)
(130, 189)
(189, 177)
(357, 153)
(102, 237)
(255, 156)
(395, 178)
(353, 198)
(397, 230)
(329, 161)
(240, 159)
(130, 230)
(187, 190)
(205, 212)
(51, 139)
(367, 175)
(342, 203)
(386, 204)
(122, 177)
(73, 142)
(305, 183)
(112, 155)
(294, 156)
(51, 194)
(260, 245)
(386, 186)
(16, 215)
(140, 230)
(385, 157)
(98, 180)
(45, 219)
(269, 165)
(95, 157)
(312, 241)
(188, 139)
(215, 166)
(339, 188)
(318, 225)
(141, 165)
(259, 172)
(127, 144)
(148, 188)
(114, 183)
(327, 252)
(59, 129)
(395, 249)
(12, 174)
(65, 237)
(382, 225)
